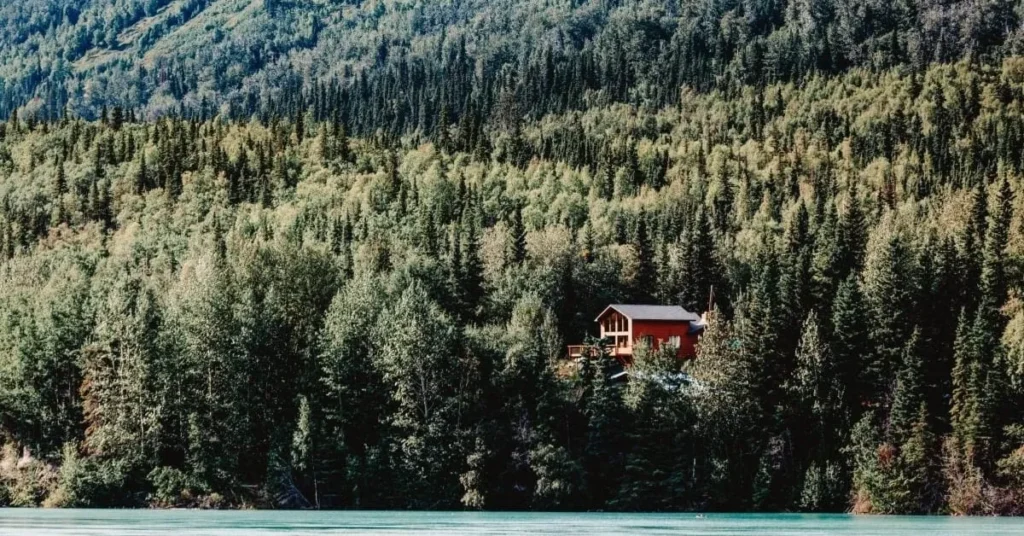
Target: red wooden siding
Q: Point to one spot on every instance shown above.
(661, 331)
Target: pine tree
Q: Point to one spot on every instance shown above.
(604, 179)
(660, 443)
(588, 244)
(117, 118)
(701, 270)
(988, 370)
(972, 246)
(818, 421)
(827, 262)
(470, 267)
(646, 274)
(794, 294)
(728, 370)
(851, 236)
(966, 411)
(341, 143)
(442, 137)
(517, 234)
(604, 452)
(58, 214)
(852, 354)
(142, 177)
(890, 292)
(761, 330)
(908, 393)
(993, 273)
(918, 455)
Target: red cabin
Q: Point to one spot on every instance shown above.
(656, 325)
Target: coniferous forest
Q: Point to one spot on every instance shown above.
(329, 254)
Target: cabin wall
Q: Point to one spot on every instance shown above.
(661, 331)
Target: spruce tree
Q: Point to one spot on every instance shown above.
(700, 270)
(607, 432)
(661, 446)
(818, 420)
(852, 236)
(142, 177)
(993, 273)
(58, 215)
(966, 406)
(908, 392)
(849, 344)
(918, 460)
(826, 266)
(646, 274)
(890, 292)
(470, 268)
(517, 235)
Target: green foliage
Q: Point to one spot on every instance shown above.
(559, 477)
(25, 480)
(420, 361)
(824, 489)
(345, 278)
(90, 482)
(172, 487)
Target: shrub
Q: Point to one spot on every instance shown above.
(824, 489)
(24, 480)
(965, 482)
(173, 487)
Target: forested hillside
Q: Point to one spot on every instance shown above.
(410, 58)
(329, 254)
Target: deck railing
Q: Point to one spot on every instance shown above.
(579, 350)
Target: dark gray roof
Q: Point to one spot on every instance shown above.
(653, 312)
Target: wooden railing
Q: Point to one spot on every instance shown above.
(579, 350)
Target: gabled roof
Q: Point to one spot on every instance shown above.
(673, 313)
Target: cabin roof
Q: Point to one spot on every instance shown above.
(672, 313)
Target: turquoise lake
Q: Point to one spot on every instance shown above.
(262, 523)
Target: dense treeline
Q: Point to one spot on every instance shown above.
(398, 63)
(197, 310)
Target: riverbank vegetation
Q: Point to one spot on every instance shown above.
(356, 291)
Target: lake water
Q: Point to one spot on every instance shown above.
(265, 523)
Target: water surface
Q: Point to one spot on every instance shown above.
(267, 523)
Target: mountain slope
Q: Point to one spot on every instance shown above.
(158, 54)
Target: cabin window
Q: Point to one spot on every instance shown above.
(674, 341)
(615, 323)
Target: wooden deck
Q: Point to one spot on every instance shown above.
(577, 351)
